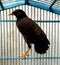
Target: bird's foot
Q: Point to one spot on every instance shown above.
(25, 54)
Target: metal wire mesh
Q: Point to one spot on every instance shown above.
(6, 1)
(49, 2)
(12, 43)
(44, 1)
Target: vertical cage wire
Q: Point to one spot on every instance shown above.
(12, 43)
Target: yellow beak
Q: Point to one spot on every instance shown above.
(10, 14)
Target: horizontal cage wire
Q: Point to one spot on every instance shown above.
(12, 43)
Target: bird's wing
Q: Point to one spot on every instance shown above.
(29, 28)
(25, 25)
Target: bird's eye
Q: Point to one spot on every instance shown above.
(18, 13)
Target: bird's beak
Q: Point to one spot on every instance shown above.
(10, 14)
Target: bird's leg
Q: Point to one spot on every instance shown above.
(29, 47)
(25, 54)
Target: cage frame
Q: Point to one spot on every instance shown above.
(44, 6)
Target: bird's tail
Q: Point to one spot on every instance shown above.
(42, 46)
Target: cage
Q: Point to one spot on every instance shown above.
(46, 13)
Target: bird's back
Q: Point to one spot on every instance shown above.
(34, 34)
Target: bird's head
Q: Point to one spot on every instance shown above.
(18, 13)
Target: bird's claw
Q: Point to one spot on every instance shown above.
(24, 55)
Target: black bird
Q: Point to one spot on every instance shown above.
(31, 32)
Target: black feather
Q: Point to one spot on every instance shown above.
(31, 32)
(42, 45)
